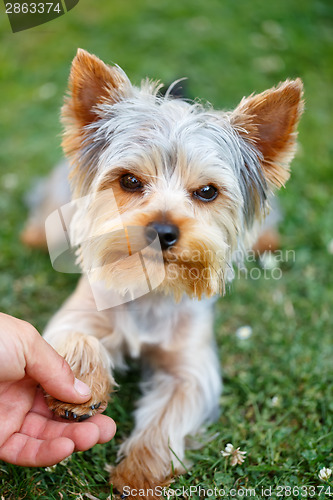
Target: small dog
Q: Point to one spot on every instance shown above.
(195, 180)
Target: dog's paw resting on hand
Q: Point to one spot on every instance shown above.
(84, 356)
(79, 412)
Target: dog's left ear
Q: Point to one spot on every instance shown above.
(269, 121)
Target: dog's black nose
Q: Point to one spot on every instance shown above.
(167, 233)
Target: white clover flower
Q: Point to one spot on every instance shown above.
(227, 450)
(50, 469)
(325, 473)
(275, 401)
(237, 456)
(244, 332)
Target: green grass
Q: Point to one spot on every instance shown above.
(227, 49)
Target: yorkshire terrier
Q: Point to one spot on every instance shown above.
(148, 170)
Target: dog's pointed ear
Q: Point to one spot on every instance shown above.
(269, 121)
(91, 82)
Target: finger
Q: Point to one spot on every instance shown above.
(26, 451)
(107, 427)
(99, 429)
(84, 435)
(52, 372)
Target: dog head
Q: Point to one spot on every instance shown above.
(195, 177)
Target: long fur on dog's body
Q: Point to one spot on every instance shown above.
(174, 148)
(176, 341)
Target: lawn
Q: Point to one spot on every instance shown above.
(277, 403)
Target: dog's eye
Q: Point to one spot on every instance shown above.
(206, 193)
(130, 182)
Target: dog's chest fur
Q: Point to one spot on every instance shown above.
(154, 320)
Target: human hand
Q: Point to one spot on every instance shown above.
(29, 433)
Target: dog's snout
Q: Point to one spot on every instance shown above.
(168, 234)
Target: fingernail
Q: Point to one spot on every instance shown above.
(81, 387)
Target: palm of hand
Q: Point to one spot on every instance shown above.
(29, 433)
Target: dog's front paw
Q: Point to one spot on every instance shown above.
(75, 412)
(84, 355)
(100, 384)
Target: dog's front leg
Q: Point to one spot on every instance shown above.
(76, 332)
(178, 398)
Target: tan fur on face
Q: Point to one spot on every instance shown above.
(195, 265)
(125, 200)
(206, 229)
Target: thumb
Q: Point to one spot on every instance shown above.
(51, 371)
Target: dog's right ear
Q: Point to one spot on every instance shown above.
(91, 82)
